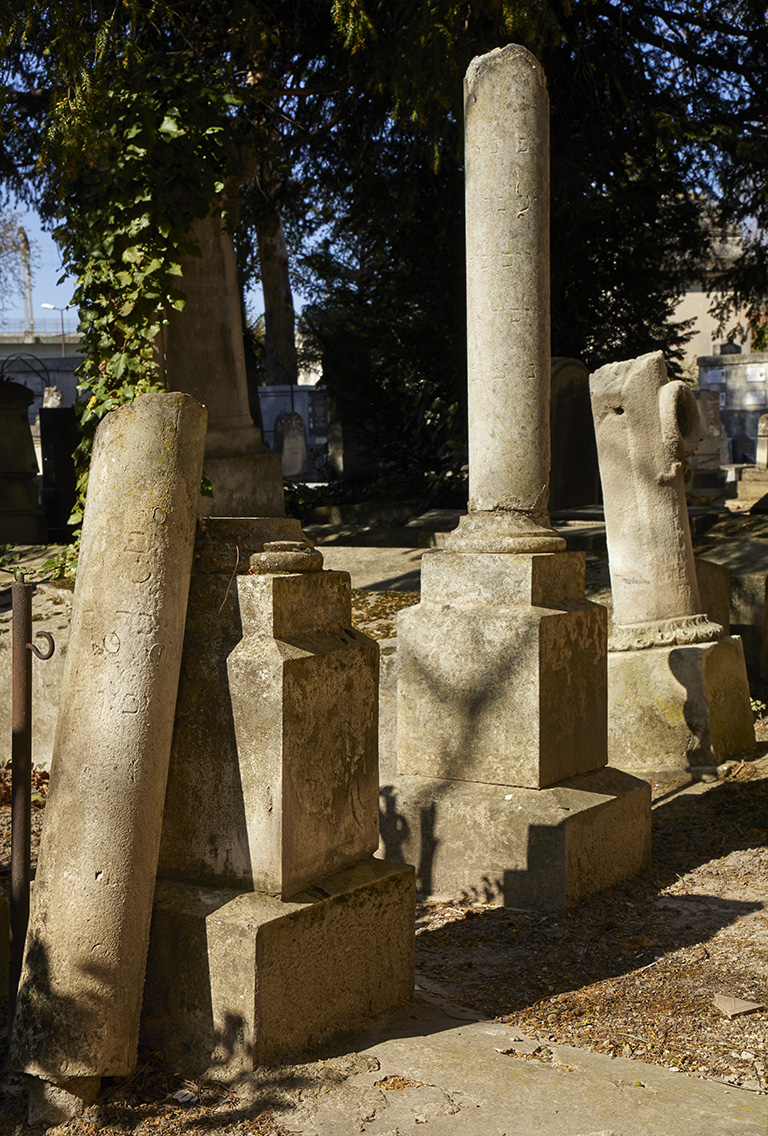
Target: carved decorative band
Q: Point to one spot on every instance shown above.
(681, 632)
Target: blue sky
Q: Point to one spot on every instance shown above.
(46, 270)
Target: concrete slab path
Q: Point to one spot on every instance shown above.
(436, 1069)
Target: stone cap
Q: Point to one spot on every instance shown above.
(254, 546)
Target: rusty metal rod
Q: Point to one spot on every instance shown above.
(21, 782)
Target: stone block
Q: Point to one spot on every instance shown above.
(493, 689)
(714, 582)
(273, 781)
(522, 847)
(673, 710)
(748, 609)
(239, 980)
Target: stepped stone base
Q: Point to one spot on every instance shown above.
(673, 711)
(539, 848)
(237, 980)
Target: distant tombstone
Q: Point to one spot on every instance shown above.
(290, 435)
(21, 518)
(574, 479)
(761, 458)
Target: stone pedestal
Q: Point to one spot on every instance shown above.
(501, 792)
(272, 796)
(501, 672)
(677, 710)
(236, 980)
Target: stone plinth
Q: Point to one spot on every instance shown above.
(277, 685)
(236, 980)
(679, 709)
(273, 795)
(501, 671)
(77, 1014)
(520, 847)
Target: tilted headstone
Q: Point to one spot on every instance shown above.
(501, 666)
(79, 1003)
(678, 696)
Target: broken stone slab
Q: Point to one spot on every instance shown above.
(273, 780)
(79, 1000)
(539, 848)
(735, 1007)
(495, 640)
(237, 980)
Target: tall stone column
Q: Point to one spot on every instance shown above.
(79, 1003)
(201, 353)
(506, 111)
(502, 790)
(678, 696)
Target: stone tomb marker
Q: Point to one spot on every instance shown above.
(273, 923)
(502, 790)
(678, 696)
(79, 1003)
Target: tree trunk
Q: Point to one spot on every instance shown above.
(279, 320)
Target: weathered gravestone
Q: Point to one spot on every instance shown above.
(201, 352)
(502, 789)
(678, 696)
(79, 1003)
(273, 924)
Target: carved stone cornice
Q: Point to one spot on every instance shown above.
(682, 631)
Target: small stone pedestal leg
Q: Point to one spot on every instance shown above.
(286, 927)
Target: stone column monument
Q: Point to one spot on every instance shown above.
(201, 353)
(502, 789)
(273, 924)
(79, 1002)
(678, 696)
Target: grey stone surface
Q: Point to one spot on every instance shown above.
(676, 709)
(522, 847)
(497, 641)
(475, 1077)
(235, 980)
(201, 352)
(646, 426)
(80, 994)
(506, 114)
(273, 780)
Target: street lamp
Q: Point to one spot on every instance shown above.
(61, 311)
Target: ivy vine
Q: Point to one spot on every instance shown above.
(136, 152)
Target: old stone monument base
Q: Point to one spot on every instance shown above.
(246, 479)
(678, 710)
(237, 980)
(496, 639)
(540, 848)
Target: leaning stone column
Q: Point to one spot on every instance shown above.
(678, 695)
(77, 1016)
(506, 110)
